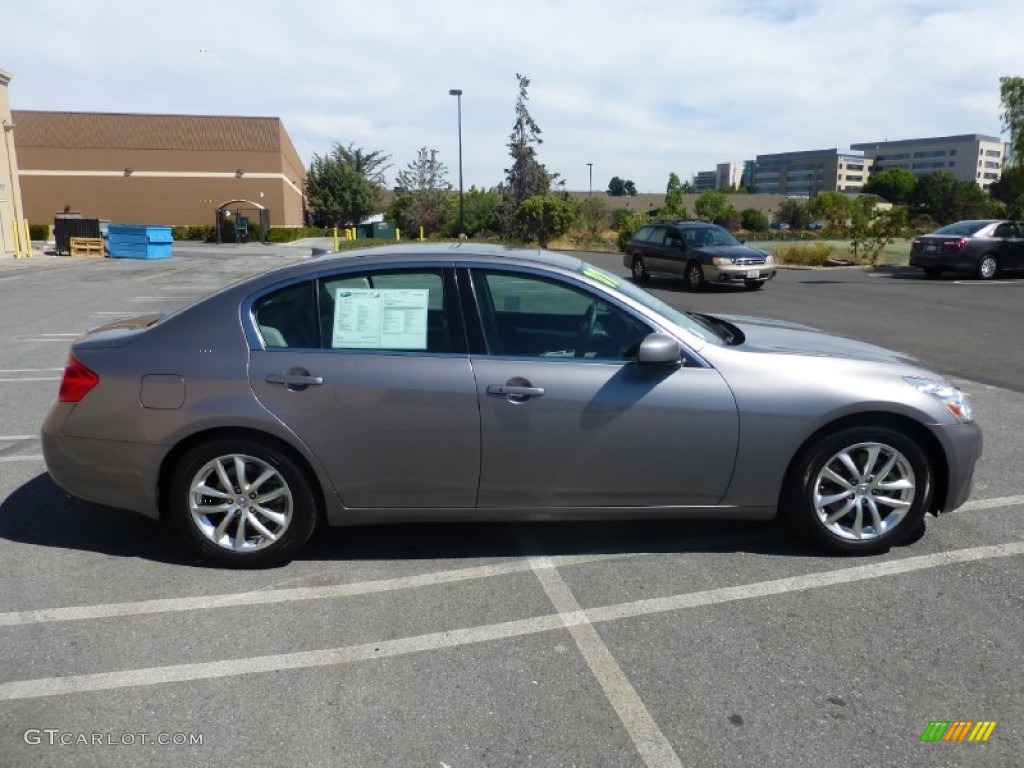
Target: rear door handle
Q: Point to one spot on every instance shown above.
(294, 381)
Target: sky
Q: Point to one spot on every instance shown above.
(640, 90)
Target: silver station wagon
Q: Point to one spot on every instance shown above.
(463, 381)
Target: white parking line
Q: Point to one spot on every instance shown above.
(33, 457)
(28, 370)
(34, 378)
(105, 681)
(650, 742)
(1004, 501)
(12, 438)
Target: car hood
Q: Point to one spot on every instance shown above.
(781, 337)
(731, 251)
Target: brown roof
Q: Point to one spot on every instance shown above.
(95, 130)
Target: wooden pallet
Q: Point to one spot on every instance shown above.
(87, 246)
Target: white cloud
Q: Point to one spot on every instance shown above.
(638, 90)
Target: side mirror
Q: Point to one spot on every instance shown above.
(659, 349)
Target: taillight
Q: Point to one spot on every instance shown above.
(77, 382)
(955, 245)
(916, 243)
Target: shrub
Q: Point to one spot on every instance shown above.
(753, 220)
(804, 254)
(628, 227)
(38, 231)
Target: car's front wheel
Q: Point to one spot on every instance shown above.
(639, 270)
(694, 276)
(859, 490)
(242, 503)
(988, 267)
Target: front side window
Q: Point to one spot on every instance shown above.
(530, 316)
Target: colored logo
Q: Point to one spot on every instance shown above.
(958, 730)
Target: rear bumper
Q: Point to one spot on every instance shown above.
(117, 474)
(949, 261)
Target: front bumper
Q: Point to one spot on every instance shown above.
(963, 445)
(738, 273)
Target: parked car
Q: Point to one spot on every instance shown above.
(427, 382)
(697, 251)
(780, 225)
(985, 248)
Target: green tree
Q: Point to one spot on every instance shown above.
(593, 218)
(481, 208)
(895, 185)
(1011, 95)
(794, 213)
(1009, 190)
(616, 187)
(833, 209)
(944, 198)
(674, 208)
(370, 164)
(872, 229)
(337, 192)
(546, 217)
(753, 220)
(424, 182)
(630, 188)
(714, 205)
(527, 177)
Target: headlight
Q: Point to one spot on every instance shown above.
(768, 258)
(956, 402)
(721, 261)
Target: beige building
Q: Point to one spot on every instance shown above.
(157, 169)
(969, 157)
(13, 231)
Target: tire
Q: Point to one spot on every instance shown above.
(639, 270)
(270, 531)
(694, 276)
(988, 267)
(932, 272)
(754, 285)
(824, 503)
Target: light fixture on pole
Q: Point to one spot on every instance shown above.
(590, 188)
(457, 93)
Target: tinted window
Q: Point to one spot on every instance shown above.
(396, 311)
(962, 228)
(1006, 229)
(704, 236)
(287, 317)
(529, 316)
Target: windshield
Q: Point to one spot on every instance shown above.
(702, 330)
(962, 228)
(714, 236)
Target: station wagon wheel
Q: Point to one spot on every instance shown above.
(639, 269)
(988, 267)
(242, 503)
(694, 276)
(860, 490)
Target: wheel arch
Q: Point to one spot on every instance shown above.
(219, 433)
(914, 429)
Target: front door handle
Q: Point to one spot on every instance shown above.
(295, 379)
(515, 392)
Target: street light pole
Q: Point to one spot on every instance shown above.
(590, 188)
(457, 93)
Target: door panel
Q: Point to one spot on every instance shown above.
(391, 430)
(603, 434)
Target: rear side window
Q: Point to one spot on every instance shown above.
(287, 317)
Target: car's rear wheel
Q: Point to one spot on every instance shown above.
(988, 267)
(242, 503)
(694, 276)
(932, 271)
(859, 490)
(754, 285)
(639, 270)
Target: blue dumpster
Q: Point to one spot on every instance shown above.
(139, 241)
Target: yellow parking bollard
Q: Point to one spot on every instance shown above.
(421, 234)
(398, 234)
(335, 239)
(28, 238)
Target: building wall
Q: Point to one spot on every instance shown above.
(728, 175)
(809, 172)
(13, 238)
(705, 181)
(969, 157)
(156, 169)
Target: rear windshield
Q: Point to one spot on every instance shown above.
(962, 228)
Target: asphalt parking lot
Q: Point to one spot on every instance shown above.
(455, 646)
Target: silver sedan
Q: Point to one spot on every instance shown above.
(473, 382)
